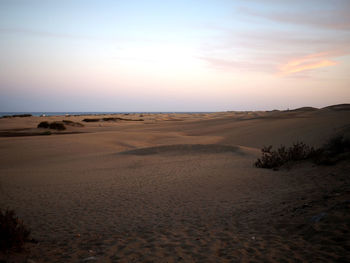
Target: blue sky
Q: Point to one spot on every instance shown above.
(173, 55)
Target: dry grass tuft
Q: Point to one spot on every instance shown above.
(13, 233)
(335, 149)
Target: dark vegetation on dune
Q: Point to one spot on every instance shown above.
(335, 149)
(53, 125)
(72, 123)
(43, 124)
(13, 233)
(16, 115)
(59, 125)
(109, 119)
(92, 120)
(56, 125)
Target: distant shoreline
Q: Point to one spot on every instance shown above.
(343, 106)
(72, 113)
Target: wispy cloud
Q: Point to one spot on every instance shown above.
(310, 62)
(274, 64)
(238, 65)
(298, 66)
(282, 47)
(275, 51)
(39, 33)
(335, 17)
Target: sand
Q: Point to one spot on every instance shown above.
(176, 188)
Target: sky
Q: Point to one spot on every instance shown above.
(183, 55)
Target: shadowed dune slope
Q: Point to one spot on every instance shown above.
(185, 149)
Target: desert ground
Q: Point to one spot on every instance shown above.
(176, 188)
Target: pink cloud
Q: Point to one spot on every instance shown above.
(309, 62)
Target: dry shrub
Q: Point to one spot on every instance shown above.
(273, 159)
(53, 125)
(337, 145)
(13, 233)
(17, 115)
(57, 126)
(92, 120)
(72, 123)
(43, 124)
(111, 119)
(335, 149)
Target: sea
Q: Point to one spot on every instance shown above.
(64, 113)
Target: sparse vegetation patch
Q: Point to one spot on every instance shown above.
(334, 150)
(13, 233)
(57, 126)
(110, 119)
(92, 120)
(43, 124)
(17, 115)
(276, 158)
(72, 123)
(53, 125)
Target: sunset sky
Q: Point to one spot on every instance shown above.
(183, 55)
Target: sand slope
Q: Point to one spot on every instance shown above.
(177, 188)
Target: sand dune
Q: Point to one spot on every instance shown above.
(165, 190)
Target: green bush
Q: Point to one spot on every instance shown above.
(13, 233)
